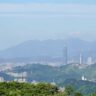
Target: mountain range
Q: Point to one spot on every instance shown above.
(51, 48)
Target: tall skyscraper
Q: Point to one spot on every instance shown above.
(81, 61)
(65, 55)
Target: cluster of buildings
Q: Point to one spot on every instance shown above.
(18, 77)
(21, 77)
(89, 60)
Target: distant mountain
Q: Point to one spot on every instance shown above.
(51, 48)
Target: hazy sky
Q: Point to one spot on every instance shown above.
(22, 20)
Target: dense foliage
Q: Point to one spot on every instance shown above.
(39, 89)
(26, 89)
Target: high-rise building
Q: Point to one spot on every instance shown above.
(65, 55)
(81, 61)
(90, 61)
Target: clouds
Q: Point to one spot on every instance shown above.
(47, 9)
(50, 1)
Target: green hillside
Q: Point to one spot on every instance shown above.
(63, 76)
(58, 74)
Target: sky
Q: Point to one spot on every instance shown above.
(22, 20)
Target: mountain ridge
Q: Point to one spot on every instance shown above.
(51, 48)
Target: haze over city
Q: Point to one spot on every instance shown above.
(47, 47)
(22, 20)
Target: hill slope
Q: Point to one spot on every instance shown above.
(59, 74)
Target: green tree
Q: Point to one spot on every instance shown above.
(69, 91)
(77, 94)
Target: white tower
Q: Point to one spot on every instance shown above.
(83, 78)
(65, 55)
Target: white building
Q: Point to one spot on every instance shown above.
(20, 80)
(34, 82)
(16, 75)
(61, 89)
(83, 78)
(90, 61)
(1, 79)
(53, 83)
